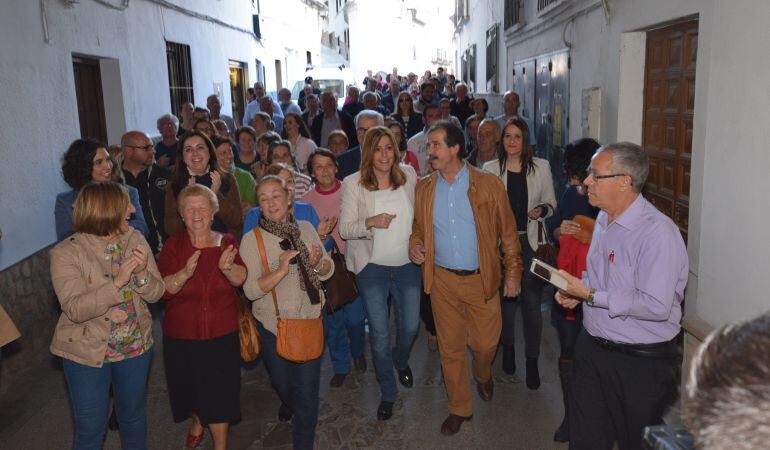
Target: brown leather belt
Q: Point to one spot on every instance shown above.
(462, 273)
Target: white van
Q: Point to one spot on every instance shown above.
(326, 79)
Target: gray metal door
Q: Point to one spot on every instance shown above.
(552, 112)
(524, 85)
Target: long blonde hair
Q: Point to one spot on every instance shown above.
(368, 178)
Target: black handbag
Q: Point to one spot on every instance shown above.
(341, 288)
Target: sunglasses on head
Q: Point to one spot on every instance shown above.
(286, 245)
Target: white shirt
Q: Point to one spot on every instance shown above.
(390, 246)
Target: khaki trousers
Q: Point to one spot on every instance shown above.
(464, 318)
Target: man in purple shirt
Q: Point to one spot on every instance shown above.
(637, 268)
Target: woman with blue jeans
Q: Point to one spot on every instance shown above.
(376, 220)
(288, 284)
(103, 276)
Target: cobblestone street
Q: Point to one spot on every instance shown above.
(35, 413)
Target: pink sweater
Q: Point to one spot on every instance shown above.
(327, 204)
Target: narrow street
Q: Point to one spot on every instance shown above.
(36, 415)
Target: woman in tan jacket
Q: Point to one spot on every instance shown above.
(103, 276)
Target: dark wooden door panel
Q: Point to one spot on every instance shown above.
(669, 104)
(88, 91)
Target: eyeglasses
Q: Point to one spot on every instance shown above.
(206, 129)
(404, 100)
(602, 177)
(146, 148)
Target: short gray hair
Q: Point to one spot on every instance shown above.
(631, 160)
(369, 114)
(170, 117)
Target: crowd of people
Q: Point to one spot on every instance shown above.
(439, 210)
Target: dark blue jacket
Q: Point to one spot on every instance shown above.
(349, 162)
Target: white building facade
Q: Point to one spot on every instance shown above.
(378, 35)
(665, 75)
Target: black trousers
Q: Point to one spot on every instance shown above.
(615, 395)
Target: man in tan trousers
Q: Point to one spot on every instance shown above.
(462, 218)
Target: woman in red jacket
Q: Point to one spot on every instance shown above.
(202, 269)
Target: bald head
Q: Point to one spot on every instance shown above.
(138, 152)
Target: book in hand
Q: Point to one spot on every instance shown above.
(548, 273)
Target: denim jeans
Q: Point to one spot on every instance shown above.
(344, 334)
(297, 386)
(404, 283)
(529, 299)
(89, 389)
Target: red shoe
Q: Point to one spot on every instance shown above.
(194, 441)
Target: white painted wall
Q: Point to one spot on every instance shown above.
(38, 118)
(289, 30)
(383, 34)
(729, 169)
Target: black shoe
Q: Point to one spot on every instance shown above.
(405, 377)
(338, 380)
(385, 410)
(113, 422)
(284, 413)
(533, 374)
(360, 363)
(509, 359)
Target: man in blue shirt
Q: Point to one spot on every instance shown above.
(462, 218)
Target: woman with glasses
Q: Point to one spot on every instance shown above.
(198, 165)
(290, 283)
(529, 184)
(206, 127)
(407, 116)
(376, 221)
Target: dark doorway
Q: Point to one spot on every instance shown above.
(88, 91)
(669, 103)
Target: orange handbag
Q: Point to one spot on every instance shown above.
(296, 340)
(247, 330)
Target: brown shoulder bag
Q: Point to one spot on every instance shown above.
(296, 340)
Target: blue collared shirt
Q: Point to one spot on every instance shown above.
(454, 227)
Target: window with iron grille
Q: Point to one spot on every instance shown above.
(492, 52)
(180, 81)
(543, 4)
(512, 13)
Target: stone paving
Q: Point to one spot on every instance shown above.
(34, 414)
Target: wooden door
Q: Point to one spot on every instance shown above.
(88, 91)
(669, 102)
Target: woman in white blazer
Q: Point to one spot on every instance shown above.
(529, 184)
(376, 222)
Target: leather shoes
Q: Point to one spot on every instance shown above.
(360, 363)
(338, 380)
(405, 377)
(485, 389)
(385, 410)
(284, 413)
(452, 424)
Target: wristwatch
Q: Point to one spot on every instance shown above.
(141, 282)
(590, 299)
